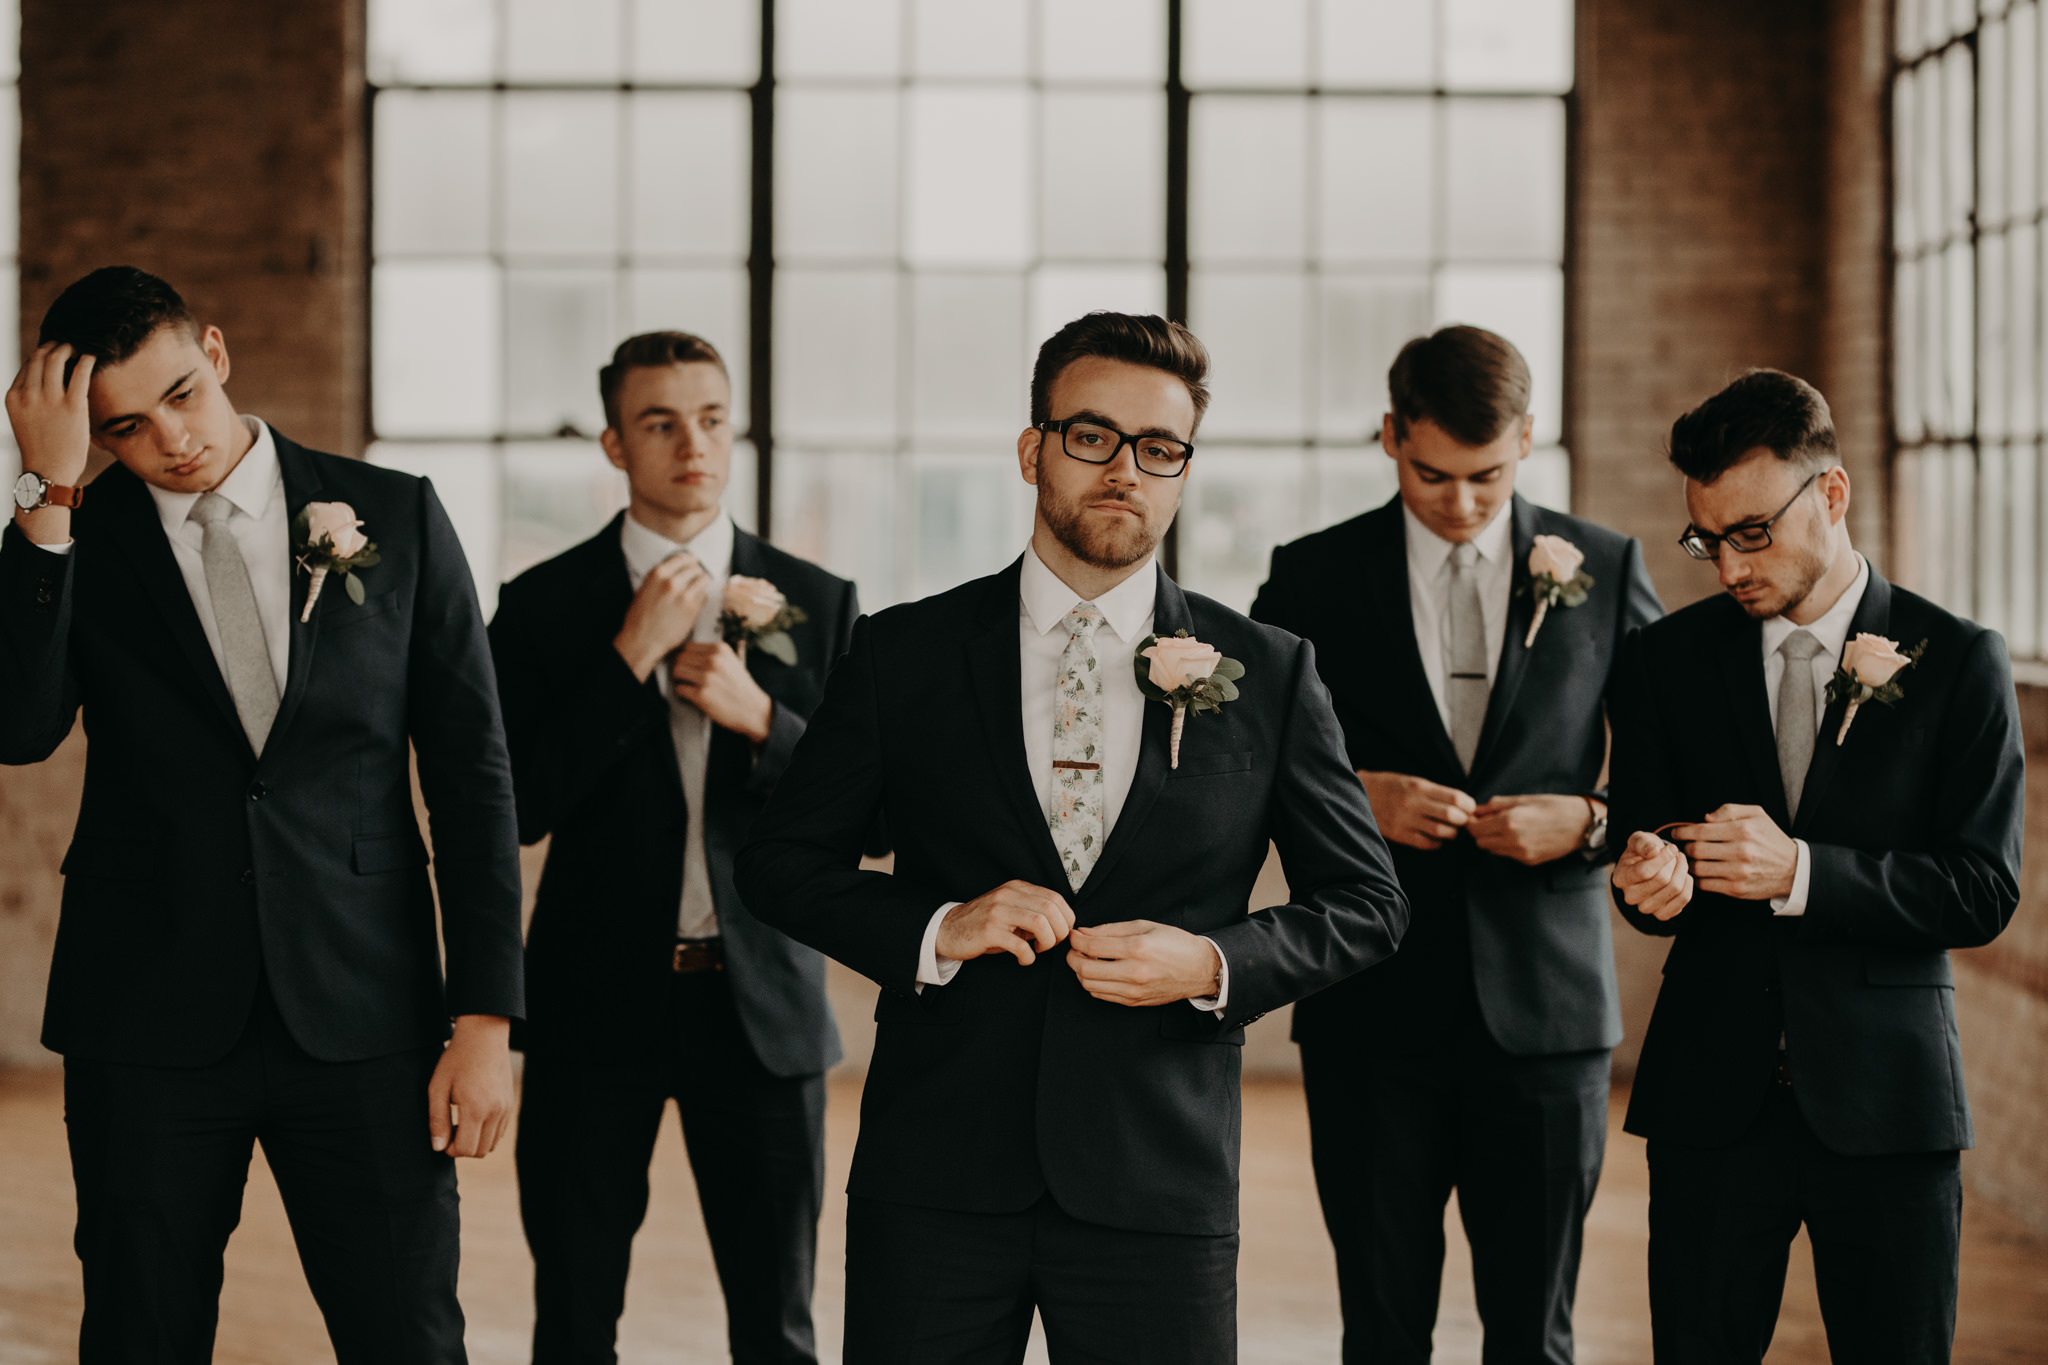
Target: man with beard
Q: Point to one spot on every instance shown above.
(1837, 765)
(1051, 1117)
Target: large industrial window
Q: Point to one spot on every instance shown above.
(1968, 376)
(10, 214)
(878, 208)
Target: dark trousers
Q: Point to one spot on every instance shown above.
(160, 1157)
(587, 1126)
(1521, 1139)
(1886, 1232)
(940, 1287)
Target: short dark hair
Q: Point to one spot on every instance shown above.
(1467, 380)
(651, 350)
(1762, 410)
(1135, 338)
(111, 313)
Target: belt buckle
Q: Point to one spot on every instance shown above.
(696, 955)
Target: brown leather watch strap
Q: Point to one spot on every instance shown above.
(57, 495)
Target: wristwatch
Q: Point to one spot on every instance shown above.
(33, 492)
(1596, 832)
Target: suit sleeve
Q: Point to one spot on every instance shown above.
(1642, 793)
(1963, 893)
(465, 775)
(1279, 600)
(568, 718)
(1640, 606)
(800, 870)
(39, 693)
(786, 726)
(1348, 910)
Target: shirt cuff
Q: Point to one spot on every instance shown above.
(1216, 1002)
(1802, 882)
(931, 971)
(61, 548)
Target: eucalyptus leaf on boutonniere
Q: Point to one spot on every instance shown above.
(1187, 675)
(1869, 671)
(1555, 578)
(327, 538)
(754, 611)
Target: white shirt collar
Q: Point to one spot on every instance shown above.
(250, 485)
(1832, 629)
(1428, 551)
(1125, 607)
(644, 548)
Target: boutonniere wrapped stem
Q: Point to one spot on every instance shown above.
(1187, 675)
(1555, 578)
(1869, 671)
(755, 612)
(327, 538)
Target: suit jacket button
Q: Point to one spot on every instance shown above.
(248, 876)
(257, 791)
(43, 594)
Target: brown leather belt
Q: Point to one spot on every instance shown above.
(698, 955)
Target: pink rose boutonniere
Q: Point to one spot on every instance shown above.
(756, 612)
(327, 538)
(1187, 675)
(1555, 578)
(1869, 671)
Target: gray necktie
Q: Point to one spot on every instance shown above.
(1465, 683)
(1796, 709)
(242, 645)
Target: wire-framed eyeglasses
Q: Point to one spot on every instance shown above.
(1746, 540)
(1093, 443)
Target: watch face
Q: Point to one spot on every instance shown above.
(28, 491)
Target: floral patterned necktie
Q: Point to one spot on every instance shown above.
(1074, 810)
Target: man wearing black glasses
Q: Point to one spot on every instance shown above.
(1051, 1119)
(1820, 781)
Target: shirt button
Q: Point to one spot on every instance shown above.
(43, 594)
(257, 791)
(248, 876)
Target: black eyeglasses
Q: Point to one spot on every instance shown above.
(1746, 540)
(1093, 443)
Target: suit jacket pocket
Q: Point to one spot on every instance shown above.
(347, 613)
(375, 853)
(1208, 765)
(93, 855)
(1907, 967)
(1182, 1020)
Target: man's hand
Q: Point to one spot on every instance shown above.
(663, 614)
(1416, 812)
(52, 429)
(708, 674)
(1016, 918)
(1532, 829)
(1652, 876)
(469, 1099)
(1139, 962)
(1739, 851)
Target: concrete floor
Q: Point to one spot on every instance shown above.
(1288, 1312)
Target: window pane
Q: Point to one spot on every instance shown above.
(1956, 153)
(1906, 229)
(1962, 530)
(692, 172)
(1237, 506)
(1365, 320)
(2023, 492)
(840, 510)
(1991, 126)
(973, 517)
(710, 303)
(10, 171)
(1508, 45)
(1061, 293)
(835, 355)
(420, 41)
(835, 173)
(431, 172)
(1991, 542)
(968, 367)
(559, 329)
(1525, 305)
(742, 500)
(1102, 40)
(962, 38)
(1376, 44)
(2023, 146)
(969, 178)
(1927, 143)
(466, 481)
(549, 40)
(1935, 404)
(1352, 480)
(1105, 175)
(696, 40)
(1906, 26)
(1545, 478)
(2022, 335)
(1961, 335)
(1992, 357)
(1907, 362)
(1255, 326)
(1378, 179)
(557, 494)
(1248, 188)
(837, 38)
(434, 346)
(561, 173)
(1505, 167)
(1231, 43)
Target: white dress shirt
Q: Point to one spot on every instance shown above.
(689, 729)
(1043, 602)
(1429, 596)
(1832, 630)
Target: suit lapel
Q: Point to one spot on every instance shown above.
(1742, 671)
(995, 663)
(301, 486)
(1514, 653)
(1873, 616)
(1387, 584)
(1169, 614)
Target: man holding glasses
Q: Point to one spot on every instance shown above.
(1051, 1118)
(1820, 781)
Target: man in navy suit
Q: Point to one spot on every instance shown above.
(248, 950)
(1477, 1058)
